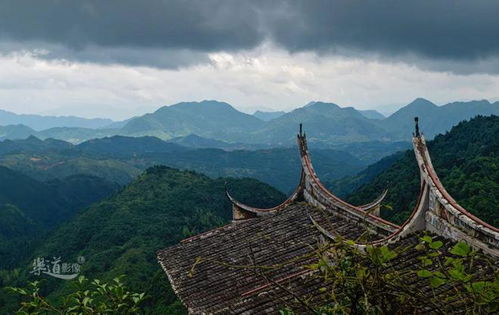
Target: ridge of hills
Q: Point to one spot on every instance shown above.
(329, 123)
(120, 159)
(40, 122)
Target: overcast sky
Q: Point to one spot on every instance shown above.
(119, 58)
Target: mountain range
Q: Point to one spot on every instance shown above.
(327, 124)
(39, 122)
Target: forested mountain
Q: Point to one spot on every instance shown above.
(121, 234)
(466, 160)
(324, 122)
(435, 119)
(29, 208)
(210, 119)
(39, 122)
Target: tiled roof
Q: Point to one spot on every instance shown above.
(260, 265)
(226, 270)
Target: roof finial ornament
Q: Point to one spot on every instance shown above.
(416, 120)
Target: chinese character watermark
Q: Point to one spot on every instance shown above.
(57, 269)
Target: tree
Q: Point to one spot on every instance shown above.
(89, 297)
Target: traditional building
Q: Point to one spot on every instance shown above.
(258, 263)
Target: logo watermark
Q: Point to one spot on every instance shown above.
(57, 269)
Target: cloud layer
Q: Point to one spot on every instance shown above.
(263, 78)
(175, 33)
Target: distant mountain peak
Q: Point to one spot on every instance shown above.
(322, 106)
(202, 105)
(421, 102)
(321, 103)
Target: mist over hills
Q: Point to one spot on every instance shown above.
(326, 123)
(39, 122)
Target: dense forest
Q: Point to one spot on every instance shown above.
(121, 234)
(29, 209)
(466, 160)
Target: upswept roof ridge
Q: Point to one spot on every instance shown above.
(436, 211)
(258, 263)
(312, 190)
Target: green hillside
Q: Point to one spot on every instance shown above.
(466, 160)
(29, 209)
(121, 234)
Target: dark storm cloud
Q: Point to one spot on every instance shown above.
(458, 30)
(197, 24)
